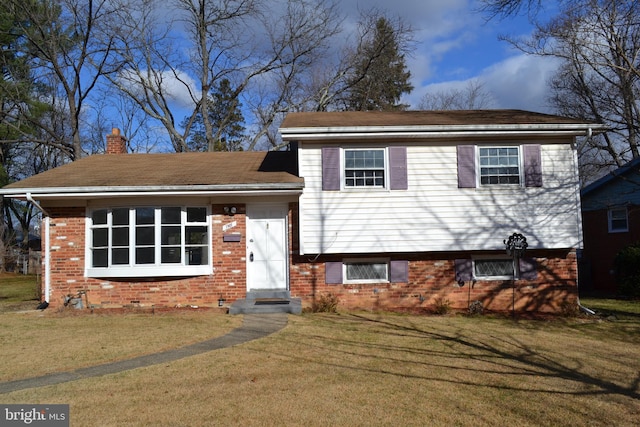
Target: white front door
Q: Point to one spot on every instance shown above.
(266, 247)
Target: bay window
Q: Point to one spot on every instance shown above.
(149, 241)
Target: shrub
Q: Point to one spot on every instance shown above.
(476, 307)
(326, 303)
(627, 264)
(442, 306)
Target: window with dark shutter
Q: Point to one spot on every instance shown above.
(365, 168)
(499, 165)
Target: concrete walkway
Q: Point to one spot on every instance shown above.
(254, 326)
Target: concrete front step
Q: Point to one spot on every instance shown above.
(271, 293)
(267, 301)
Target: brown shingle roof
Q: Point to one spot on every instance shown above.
(170, 170)
(422, 118)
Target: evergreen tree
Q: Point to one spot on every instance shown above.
(380, 76)
(225, 116)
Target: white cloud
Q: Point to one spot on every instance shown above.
(519, 82)
(176, 87)
(439, 27)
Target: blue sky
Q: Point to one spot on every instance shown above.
(457, 44)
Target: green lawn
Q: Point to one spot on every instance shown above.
(606, 306)
(345, 369)
(18, 292)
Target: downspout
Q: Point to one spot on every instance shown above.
(580, 306)
(47, 247)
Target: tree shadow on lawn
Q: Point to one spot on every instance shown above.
(511, 357)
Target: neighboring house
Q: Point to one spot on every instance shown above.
(385, 210)
(611, 221)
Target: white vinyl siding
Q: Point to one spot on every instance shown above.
(433, 214)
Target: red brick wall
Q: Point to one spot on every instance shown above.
(432, 278)
(601, 247)
(67, 240)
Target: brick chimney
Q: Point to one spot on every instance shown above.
(116, 143)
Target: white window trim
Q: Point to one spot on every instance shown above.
(610, 220)
(343, 177)
(489, 258)
(363, 261)
(479, 183)
(147, 270)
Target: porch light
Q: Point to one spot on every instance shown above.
(230, 210)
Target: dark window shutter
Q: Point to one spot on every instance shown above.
(330, 168)
(466, 166)
(333, 273)
(464, 270)
(398, 168)
(532, 165)
(399, 271)
(528, 269)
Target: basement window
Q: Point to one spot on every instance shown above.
(493, 269)
(149, 242)
(366, 271)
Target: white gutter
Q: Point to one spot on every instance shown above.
(47, 247)
(47, 258)
(106, 192)
(315, 133)
(579, 203)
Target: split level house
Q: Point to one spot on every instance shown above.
(611, 222)
(383, 210)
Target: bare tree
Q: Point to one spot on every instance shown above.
(261, 47)
(598, 43)
(473, 96)
(71, 43)
(506, 8)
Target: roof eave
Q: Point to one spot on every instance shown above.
(622, 170)
(437, 131)
(122, 191)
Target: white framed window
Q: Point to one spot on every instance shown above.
(497, 268)
(364, 168)
(499, 165)
(618, 220)
(149, 241)
(365, 271)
